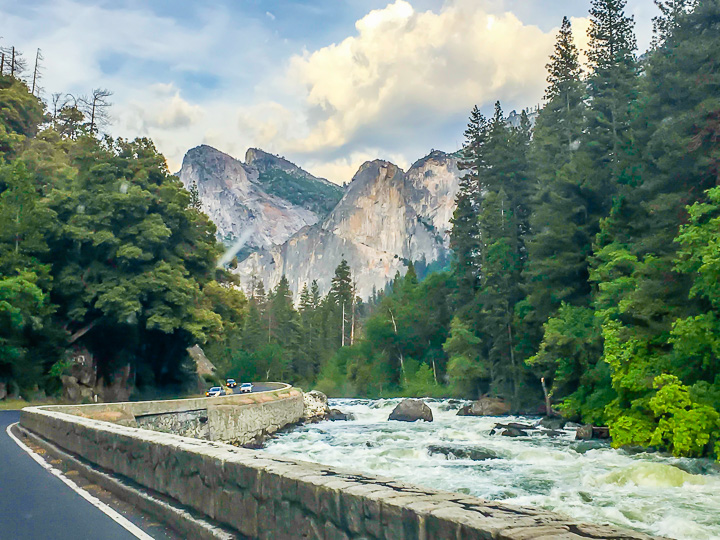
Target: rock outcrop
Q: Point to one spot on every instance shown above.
(485, 406)
(511, 429)
(552, 422)
(336, 415)
(315, 407)
(588, 432)
(266, 200)
(453, 451)
(411, 410)
(385, 219)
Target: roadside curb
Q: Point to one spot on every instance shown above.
(169, 512)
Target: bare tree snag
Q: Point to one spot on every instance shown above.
(37, 73)
(96, 108)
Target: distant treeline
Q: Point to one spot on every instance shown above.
(586, 251)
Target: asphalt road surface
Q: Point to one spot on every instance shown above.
(257, 387)
(34, 504)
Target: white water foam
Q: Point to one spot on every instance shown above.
(586, 480)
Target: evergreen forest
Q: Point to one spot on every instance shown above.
(585, 255)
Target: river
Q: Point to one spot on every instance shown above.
(586, 480)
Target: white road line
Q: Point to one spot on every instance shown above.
(112, 514)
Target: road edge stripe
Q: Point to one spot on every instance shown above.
(107, 510)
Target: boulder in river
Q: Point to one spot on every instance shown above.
(584, 433)
(315, 407)
(552, 433)
(514, 432)
(337, 414)
(462, 452)
(485, 406)
(511, 426)
(588, 432)
(411, 410)
(601, 432)
(552, 422)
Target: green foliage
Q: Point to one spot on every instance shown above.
(20, 115)
(699, 255)
(684, 427)
(670, 419)
(23, 311)
(420, 380)
(465, 367)
(315, 195)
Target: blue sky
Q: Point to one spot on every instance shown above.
(326, 83)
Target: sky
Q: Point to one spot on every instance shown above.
(328, 84)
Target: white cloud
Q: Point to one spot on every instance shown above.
(401, 83)
(343, 169)
(406, 71)
(161, 108)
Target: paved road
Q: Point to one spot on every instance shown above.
(257, 387)
(35, 504)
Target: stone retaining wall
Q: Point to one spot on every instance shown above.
(236, 418)
(267, 497)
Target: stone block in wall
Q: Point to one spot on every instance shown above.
(333, 533)
(248, 516)
(266, 519)
(329, 496)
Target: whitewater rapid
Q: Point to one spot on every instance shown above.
(586, 480)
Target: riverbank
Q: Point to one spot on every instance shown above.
(586, 480)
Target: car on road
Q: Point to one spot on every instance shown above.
(246, 387)
(215, 391)
(230, 383)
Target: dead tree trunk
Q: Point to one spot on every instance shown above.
(36, 72)
(548, 408)
(402, 360)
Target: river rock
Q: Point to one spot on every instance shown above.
(551, 432)
(512, 425)
(588, 432)
(584, 433)
(315, 407)
(602, 432)
(462, 452)
(514, 432)
(336, 414)
(411, 410)
(3, 390)
(485, 406)
(552, 422)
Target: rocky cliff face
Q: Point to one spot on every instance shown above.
(267, 195)
(385, 219)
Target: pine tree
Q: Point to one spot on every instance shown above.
(612, 91)
(282, 314)
(465, 235)
(503, 227)
(665, 23)
(195, 201)
(341, 292)
(558, 247)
